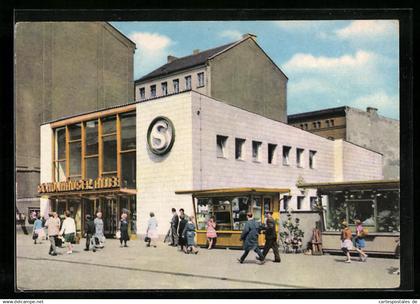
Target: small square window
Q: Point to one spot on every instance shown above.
(299, 160)
(312, 159)
(153, 90)
(164, 88)
(239, 148)
(286, 153)
(300, 200)
(188, 82)
(332, 122)
(256, 147)
(142, 93)
(200, 77)
(221, 142)
(272, 155)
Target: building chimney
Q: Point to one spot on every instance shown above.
(371, 110)
(253, 36)
(196, 51)
(171, 58)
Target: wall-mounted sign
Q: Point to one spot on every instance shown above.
(160, 135)
(80, 185)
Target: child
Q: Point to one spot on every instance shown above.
(211, 231)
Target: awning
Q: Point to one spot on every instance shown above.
(233, 190)
(353, 185)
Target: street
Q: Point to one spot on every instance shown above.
(142, 268)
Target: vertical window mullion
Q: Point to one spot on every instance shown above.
(67, 152)
(118, 146)
(83, 150)
(53, 149)
(100, 148)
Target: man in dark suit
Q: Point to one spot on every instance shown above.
(174, 227)
(271, 237)
(250, 238)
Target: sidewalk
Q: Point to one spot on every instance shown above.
(164, 267)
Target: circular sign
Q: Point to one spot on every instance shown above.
(160, 135)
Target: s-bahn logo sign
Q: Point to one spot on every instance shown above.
(160, 135)
(80, 185)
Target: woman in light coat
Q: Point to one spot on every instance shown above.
(68, 229)
(99, 229)
(151, 232)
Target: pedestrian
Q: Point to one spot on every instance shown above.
(271, 237)
(53, 225)
(360, 240)
(174, 226)
(250, 238)
(99, 230)
(211, 231)
(124, 230)
(189, 234)
(89, 233)
(182, 242)
(68, 230)
(346, 243)
(152, 232)
(38, 230)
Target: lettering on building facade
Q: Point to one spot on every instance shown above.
(80, 185)
(160, 135)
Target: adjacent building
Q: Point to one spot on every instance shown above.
(239, 73)
(63, 69)
(363, 128)
(190, 151)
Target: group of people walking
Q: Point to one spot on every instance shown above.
(347, 240)
(182, 232)
(59, 231)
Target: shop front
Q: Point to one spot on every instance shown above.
(229, 207)
(375, 203)
(89, 165)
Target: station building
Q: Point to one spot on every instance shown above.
(192, 151)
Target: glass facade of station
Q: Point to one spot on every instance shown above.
(93, 148)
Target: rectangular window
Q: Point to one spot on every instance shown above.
(221, 142)
(142, 93)
(153, 91)
(128, 170)
(91, 131)
(256, 150)
(109, 125)
(92, 167)
(164, 88)
(60, 171)
(239, 148)
(328, 123)
(332, 122)
(188, 83)
(200, 77)
(272, 155)
(286, 153)
(313, 202)
(176, 85)
(300, 200)
(128, 131)
(75, 158)
(286, 200)
(314, 124)
(306, 126)
(299, 154)
(75, 131)
(318, 124)
(312, 159)
(109, 153)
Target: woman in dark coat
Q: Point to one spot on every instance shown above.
(189, 235)
(124, 230)
(181, 239)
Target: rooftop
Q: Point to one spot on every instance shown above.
(183, 63)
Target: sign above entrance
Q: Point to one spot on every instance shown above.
(160, 135)
(80, 185)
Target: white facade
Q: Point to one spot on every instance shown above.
(193, 164)
(157, 82)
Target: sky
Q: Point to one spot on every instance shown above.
(328, 63)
